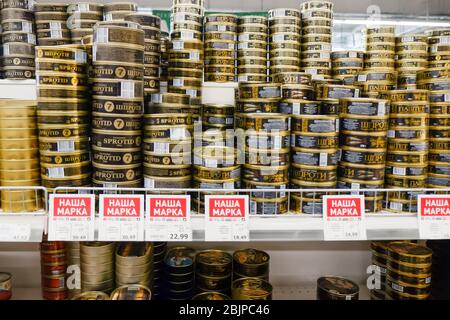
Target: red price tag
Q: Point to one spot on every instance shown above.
(71, 217)
(168, 218)
(121, 218)
(344, 218)
(344, 207)
(434, 216)
(226, 218)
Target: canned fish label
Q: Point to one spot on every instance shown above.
(123, 89)
(116, 157)
(314, 124)
(112, 122)
(77, 55)
(298, 108)
(268, 141)
(313, 157)
(112, 139)
(366, 141)
(108, 71)
(118, 107)
(315, 142)
(407, 145)
(361, 156)
(64, 158)
(116, 174)
(369, 125)
(364, 107)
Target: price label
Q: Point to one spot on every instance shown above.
(121, 218)
(434, 216)
(14, 232)
(344, 218)
(226, 218)
(168, 218)
(71, 217)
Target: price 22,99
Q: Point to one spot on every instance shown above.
(179, 236)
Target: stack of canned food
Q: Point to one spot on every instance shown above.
(436, 79)
(63, 116)
(251, 263)
(220, 47)
(118, 10)
(53, 270)
(97, 266)
(135, 292)
(314, 159)
(252, 49)
(82, 18)
(19, 156)
(317, 25)
(118, 96)
(215, 167)
(267, 139)
(159, 252)
(217, 122)
(168, 141)
(18, 39)
(379, 63)
(51, 24)
(346, 65)
(134, 264)
(73, 266)
(152, 41)
(408, 275)
(411, 57)
(379, 260)
(407, 156)
(185, 70)
(213, 272)
(285, 40)
(336, 288)
(179, 273)
(164, 63)
(362, 154)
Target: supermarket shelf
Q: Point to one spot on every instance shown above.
(23, 227)
(26, 294)
(381, 226)
(18, 89)
(222, 93)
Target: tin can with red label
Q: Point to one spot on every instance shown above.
(5, 286)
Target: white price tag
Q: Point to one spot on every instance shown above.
(194, 56)
(381, 108)
(178, 82)
(434, 216)
(55, 34)
(15, 232)
(226, 218)
(149, 183)
(71, 217)
(178, 133)
(121, 218)
(344, 218)
(168, 218)
(323, 159)
(178, 45)
(447, 97)
(399, 171)
(66, 146)
(362, 78)
(127, 89)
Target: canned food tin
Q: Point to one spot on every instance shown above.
(363, 156)
(251, 262)
(5, 286)
(113, 139)
(251, 289)
(336, 288)
(214, 263)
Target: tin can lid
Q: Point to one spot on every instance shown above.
(337, 285)
(5, 276)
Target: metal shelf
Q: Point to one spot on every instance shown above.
(25, 226)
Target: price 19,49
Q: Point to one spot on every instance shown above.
(179, 236)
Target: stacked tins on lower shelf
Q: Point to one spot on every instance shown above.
(19, 156)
